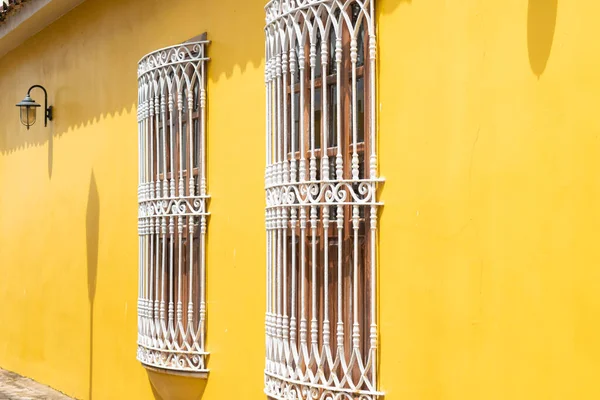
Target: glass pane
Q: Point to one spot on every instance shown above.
(361, 166)
(319, 169)
(297, 77)
(355, 13)
(317, 118)
(196, 142)
(287, 119)
(167, 135)
(361, 45)
(360, 105)
(160, 150)
(196, 96)
(297, 113)
(332, 106)
(332, 173)
(171, 86)
(332, 44)
(173, 142)
(184, 145)
(318, 65)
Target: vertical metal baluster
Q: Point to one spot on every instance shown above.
(373, 175)
(325, 122)
(353, 58)
(312, 60)
(303, 328)
(153, 119)
(284, 215)
(180, 218)
(154, 115)
(301, 65)
(139, 121)
(172, 149)
(165, 193)
(314, 329)
(339, 159)
(203, 192)
(148, 307)
(268, 212)
(151, 222)
(191, 221)
(326, 329)
(355, 209)
(293, 326)
(279, 158)
(325, 178)
(141, 218)
(303, 321)
(339, 168)
(340, 278)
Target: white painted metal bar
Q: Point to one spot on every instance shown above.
(203, 194)
(284, 214)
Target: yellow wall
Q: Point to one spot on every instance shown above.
(68, 225)
(489, 144)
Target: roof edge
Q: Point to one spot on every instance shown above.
(9, 7)
(24, 18)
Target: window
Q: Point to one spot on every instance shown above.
(321, 194)
(172, 207)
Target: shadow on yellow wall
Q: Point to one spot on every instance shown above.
(92, 240)
(541, 24)
(173, 387)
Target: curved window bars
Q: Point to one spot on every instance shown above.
(321, 194)
(173, 212)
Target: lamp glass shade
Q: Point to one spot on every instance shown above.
(28, 111)
(28, 115)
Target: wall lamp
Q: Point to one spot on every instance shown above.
(28, 108)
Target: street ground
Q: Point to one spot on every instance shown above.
(16, 387)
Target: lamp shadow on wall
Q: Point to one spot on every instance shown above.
(541, 24)
(388, 6)
(58, 95)
(50, 154)
(92, 226)
(167, 386)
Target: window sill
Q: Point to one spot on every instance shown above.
(202, 374)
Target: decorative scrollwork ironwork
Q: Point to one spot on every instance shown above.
(321, 192)
(193, 53)
(172, 208)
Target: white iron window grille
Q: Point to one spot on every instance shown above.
(321, 194)
(172, 207)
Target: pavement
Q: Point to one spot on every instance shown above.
(17, 387)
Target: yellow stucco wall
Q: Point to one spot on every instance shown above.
(489, 137)
(68, 232)
(490, 144)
